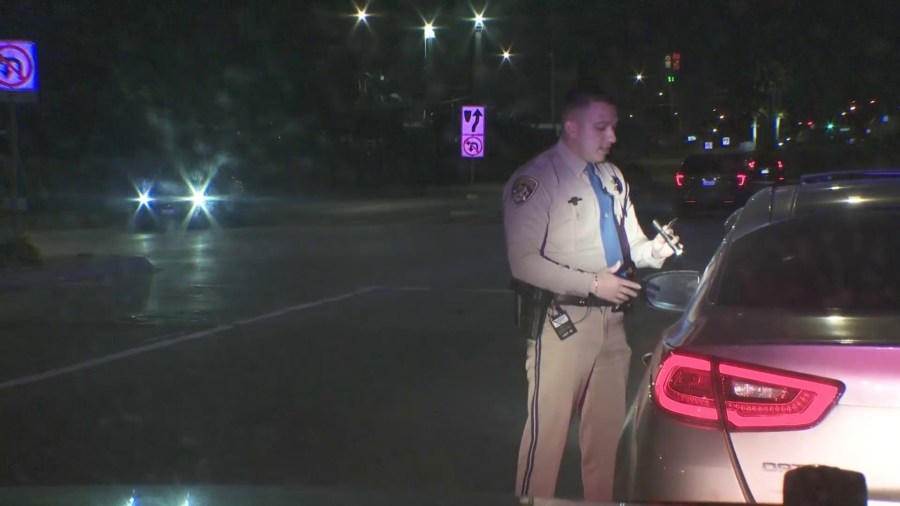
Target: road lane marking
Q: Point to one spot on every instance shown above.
(407, 288)
(87, 364)
(164, 342)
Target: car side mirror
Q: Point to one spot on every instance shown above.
(671, 290)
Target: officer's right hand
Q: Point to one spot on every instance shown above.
(610, 287)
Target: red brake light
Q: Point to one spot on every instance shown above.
(684, 387)
(679, 179)
(753, 398)
(741, 179)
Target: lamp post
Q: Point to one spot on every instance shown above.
(428, 36)
(478, 56)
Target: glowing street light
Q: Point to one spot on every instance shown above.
(361, 15)
(506, 54)
(479, 22)
(429, 31)
(638, 77)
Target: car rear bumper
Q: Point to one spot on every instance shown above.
(713, 197)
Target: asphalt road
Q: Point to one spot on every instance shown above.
(359, 353)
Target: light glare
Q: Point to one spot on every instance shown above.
(429, 31)
(198, 198)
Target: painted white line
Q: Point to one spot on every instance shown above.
(159, 343)
(87, 364)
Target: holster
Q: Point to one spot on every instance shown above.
(531, 305)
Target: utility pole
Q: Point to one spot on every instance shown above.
(12, 131)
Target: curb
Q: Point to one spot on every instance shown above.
(74, 268)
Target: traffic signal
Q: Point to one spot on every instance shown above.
(671, 79)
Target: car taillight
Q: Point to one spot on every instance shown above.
(741, 179)
(698, 388)
(780, 165)
(679, 179)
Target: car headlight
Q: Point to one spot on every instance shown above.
(144, 198)
(198, 198)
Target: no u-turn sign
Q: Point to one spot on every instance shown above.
(18, 66)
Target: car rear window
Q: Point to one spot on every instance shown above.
(836, 261)
(711, 164)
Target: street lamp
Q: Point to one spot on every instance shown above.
(506, 55)
(429, 31)
(478, 54)
(639, 77)
(361, 15)
(428, 36)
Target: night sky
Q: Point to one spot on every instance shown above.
(109, 68)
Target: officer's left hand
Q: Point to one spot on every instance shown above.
(661, 249)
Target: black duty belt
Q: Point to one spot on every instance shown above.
(589, 301)
(570, 300)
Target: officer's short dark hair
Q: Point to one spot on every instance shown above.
(582, 95)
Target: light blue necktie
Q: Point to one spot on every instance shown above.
(609, 233)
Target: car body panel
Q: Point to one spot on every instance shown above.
(676, 462)
(858, 348)
(850, 437)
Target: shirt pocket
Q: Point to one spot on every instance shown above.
(587, 224)
(562, 230)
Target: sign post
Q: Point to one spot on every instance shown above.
(471, 136)
(18, 83)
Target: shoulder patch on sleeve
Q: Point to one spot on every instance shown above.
(523, 189)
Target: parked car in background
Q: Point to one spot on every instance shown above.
(727, 179)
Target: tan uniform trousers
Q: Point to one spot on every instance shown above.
(584, 374)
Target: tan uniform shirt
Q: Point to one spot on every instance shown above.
(552, 222)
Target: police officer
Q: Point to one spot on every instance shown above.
(571, 236)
